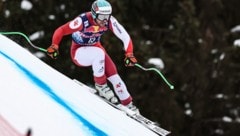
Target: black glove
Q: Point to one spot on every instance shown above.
(130, 60)
(52, 51)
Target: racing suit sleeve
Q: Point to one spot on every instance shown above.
(66, 29)
(122, 34)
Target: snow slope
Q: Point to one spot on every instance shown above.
(34, 95)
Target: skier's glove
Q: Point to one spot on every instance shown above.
(52, 51)
(130, 60)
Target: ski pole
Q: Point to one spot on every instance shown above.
(29, 41)
(44, 50)
(154, 69)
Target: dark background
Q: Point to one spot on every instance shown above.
(193, 39)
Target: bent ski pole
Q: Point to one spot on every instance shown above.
(154, 69)
(29, 41)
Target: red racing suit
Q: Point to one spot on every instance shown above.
(85, 32)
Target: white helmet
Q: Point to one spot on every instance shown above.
(101, 7)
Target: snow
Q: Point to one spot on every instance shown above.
(220, 96)
(238, 120)
(236, 29)
(222, 56)
(36, 96)
(36, 35)
(40, 54)
(237, 43)
(51, 17)
(26, 5)
(227, 119)
(188, 112)
(157, 62)
(7, 13)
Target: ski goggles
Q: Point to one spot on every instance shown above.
(103, 17)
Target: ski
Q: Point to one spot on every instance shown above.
(140, 118)
(137, 117)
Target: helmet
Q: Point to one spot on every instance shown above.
(101, 7)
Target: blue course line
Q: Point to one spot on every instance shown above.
(50, 92)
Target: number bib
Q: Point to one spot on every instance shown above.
(90, 34)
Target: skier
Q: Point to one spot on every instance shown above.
(87, 50)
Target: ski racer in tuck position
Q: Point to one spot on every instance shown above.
(87, 50)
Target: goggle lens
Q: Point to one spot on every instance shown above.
(102, 17)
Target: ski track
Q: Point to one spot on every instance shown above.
(47, 90)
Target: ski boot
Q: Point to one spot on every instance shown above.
(133, 107)
(106, 92)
